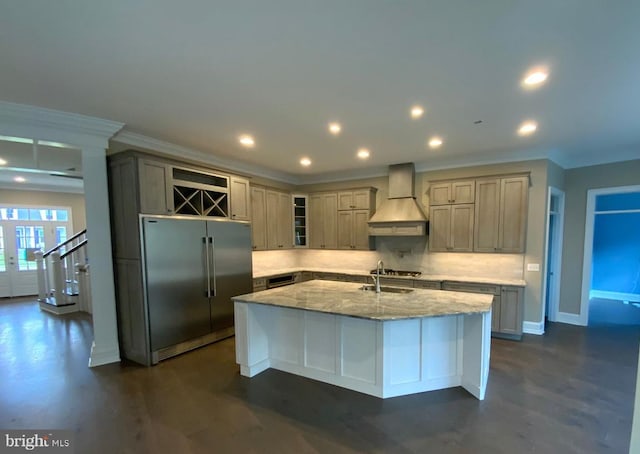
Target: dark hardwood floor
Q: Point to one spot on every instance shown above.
(570, 391)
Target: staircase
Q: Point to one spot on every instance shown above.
(63, 277)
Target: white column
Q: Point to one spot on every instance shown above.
(105, 347)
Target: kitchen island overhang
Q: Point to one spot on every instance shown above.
(385, 345)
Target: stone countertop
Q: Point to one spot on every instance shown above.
(346, 298)
(423, 277)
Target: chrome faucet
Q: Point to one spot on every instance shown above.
(379, 268)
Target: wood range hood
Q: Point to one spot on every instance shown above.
(400, 214)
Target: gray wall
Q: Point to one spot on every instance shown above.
(75, 201)
(577, 183)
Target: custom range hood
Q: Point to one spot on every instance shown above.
(400, 214)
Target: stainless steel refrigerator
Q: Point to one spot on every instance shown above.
(192, 268)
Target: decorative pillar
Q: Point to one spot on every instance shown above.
(105, 347)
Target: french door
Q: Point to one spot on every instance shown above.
(19, 239)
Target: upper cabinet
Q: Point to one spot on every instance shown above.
(452, 192)
(240, 199)
(359, 199)
(501, 214)
(481, 215)
(155, 187)
(355, 208)
(271, 219)
(323, 221)
(259, 218)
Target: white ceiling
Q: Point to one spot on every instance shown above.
(198, 73)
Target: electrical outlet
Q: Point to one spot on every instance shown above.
(533, 267)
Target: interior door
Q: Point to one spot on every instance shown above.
(230, 268)
(175, 254)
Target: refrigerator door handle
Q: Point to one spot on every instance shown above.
(211, 270)
(207, 262)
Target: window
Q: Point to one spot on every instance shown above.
(28, 239)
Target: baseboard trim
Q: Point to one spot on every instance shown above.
(533, 328)
(618, 296)
(572, 319)
(99, 358)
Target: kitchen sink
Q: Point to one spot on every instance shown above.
(372, 288)
(390, 272)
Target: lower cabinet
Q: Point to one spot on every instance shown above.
(507, 309)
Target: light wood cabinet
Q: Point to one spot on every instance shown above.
(353, 229)
(155, 184)
(452, 192)
(240, 199)
(501, 214)
(360, 199)
(354, 211)
(259, 218)
(279, 220)
(451, 228)
(507, 308)
(323, 221)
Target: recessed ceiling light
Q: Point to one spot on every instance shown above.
(19, 179)
(363, 153)
(246, 141)
(335, 128)
(535, 78)
(527, 128)
(3, 162)
(417, 112)
(435, 142)
(305, 162)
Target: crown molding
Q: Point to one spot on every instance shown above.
(179, 152)
(41, 187)
(35, 122)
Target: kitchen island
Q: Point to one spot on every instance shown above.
(387, 344)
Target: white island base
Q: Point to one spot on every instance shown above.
(383, 358)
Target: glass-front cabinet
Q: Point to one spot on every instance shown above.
(300, 220)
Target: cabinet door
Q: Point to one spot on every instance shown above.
(345, 229)
(440, 194)
(345, 200)
(240, 199)
(487, 215)
(439, 228)
(272, 219)
(461, 228)
(463, 191)
(258, 218)
(361, 239)
(511, 310)
(330, 220)
(362, 199)
(513, 214)
(495, 314)
(285, 221)
(156, 196)
(316, 222)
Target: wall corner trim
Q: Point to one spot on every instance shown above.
(533, 328)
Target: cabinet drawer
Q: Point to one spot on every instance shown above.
(471, 288)
(433, 285)
(259, 284)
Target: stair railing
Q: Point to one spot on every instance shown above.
(57, 281)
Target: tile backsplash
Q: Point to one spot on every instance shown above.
(398, 253)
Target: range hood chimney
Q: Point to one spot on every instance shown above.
(400, 214)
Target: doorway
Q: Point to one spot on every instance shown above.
(611, 267)
(24, 230)
(553, 251)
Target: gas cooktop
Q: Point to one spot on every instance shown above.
(390, 272)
